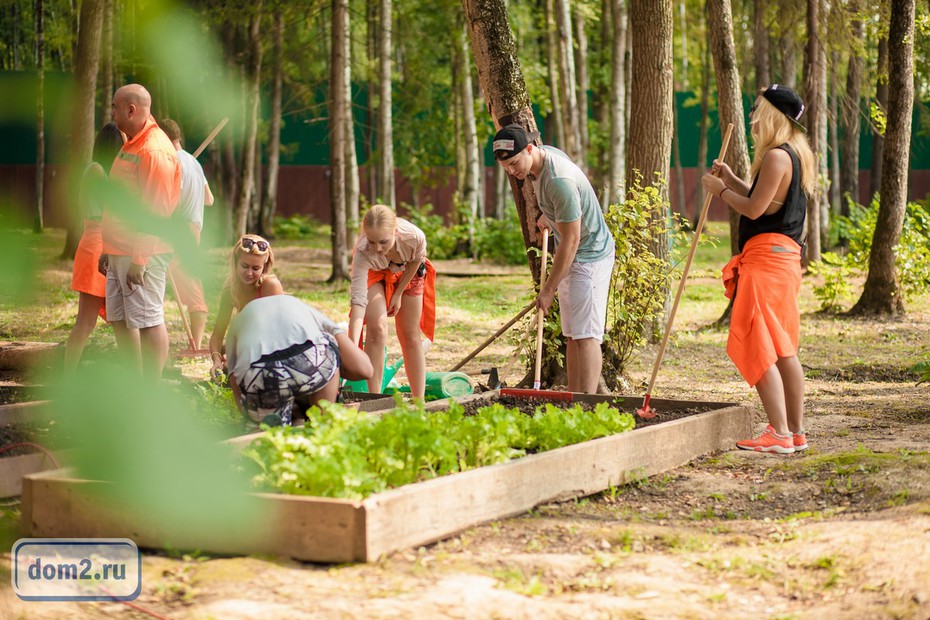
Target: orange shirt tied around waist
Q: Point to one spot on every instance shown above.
(765, 323)
(390, 279)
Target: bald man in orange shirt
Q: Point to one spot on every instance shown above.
(135, 260)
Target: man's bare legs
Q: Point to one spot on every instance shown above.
(154, 341)
(584, 362)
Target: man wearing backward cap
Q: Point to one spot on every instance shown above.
(584, 254)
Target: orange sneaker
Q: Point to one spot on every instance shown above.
(768, 441)
(800, 441)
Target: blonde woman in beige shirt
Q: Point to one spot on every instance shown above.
(391, 277)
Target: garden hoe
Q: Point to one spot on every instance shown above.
(646, 412)
(537, 393)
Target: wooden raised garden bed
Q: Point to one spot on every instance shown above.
(21, 461)
(55, 504)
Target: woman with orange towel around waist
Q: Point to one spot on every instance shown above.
(765, 276)
(391, 277)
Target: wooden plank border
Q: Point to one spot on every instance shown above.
(332, 530)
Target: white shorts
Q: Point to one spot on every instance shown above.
(139, 306)
(583, 299)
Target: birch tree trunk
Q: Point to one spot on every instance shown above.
(557, 118)
(337, 148)
(815, 98)
(38, 220)
(834, 144)
(105, 74)
(584, 83)
(729, 97)
(850, 122)
(882, 292)
(616, 178)
(253, 84)
(370, 131)
(566, 60)
(385, 120)
(352, 181)
(702, 132)
(881, 98)
(86, 64)
(273, 154)
(470, 194)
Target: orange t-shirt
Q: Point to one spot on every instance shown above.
(149, 165)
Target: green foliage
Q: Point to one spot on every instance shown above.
(912, 254)
(640, 278)
(299, 226)
(500, 241)
(442, 241)
(343, 452)
(922, 369)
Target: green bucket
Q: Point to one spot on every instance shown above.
(448, 384)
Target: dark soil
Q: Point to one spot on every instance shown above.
(40, 434)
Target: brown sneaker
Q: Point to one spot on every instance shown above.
(768, 441)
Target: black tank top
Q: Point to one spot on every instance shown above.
(789, 220)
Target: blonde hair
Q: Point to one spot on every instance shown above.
(771, 129)
(379, 217)
(240, 292)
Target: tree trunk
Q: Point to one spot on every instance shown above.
(270, 191)
(788, 15)
(105, 74)
(729, 97)
(814, 98)
(253, 84)
(616, 178)
(557, 118)
(584, 83)
(676, 158)
(38, 223)
(882, 293)
(351, 180)
(600, 99)
(500, 193)
(702, 131)
(501, 81)
(337, 148)
(86, 65)
(761, 44)
(470, 186)
(834, 144)
(881, 99)
(566, 60)
(650, 141)
(385, 120)
(851, 109)
(370, 131)
(683, 24)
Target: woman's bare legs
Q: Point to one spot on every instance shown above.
(88, 311)
(782, 392)
(376, 330)
(407, 323)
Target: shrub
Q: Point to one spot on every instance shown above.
(299, 226)
(912, 254)
(640, 278)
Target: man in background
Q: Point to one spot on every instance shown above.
(195, 194)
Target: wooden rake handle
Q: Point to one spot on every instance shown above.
(684, 274)
(540, 315)
(209, 138)
(177, 298)
(495, 336)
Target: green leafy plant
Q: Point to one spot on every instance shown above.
(299, 226)
(912, 254)
(342, 452)
(640, 278)
(922, 369)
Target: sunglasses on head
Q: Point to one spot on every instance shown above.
(247, 244)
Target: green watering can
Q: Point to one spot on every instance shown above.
(387, 377)
(445, 385)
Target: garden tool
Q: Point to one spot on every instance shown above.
(647, 412)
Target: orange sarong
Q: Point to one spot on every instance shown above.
(85, 278)
(390, 278)
(766, 321)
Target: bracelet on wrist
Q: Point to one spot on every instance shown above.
(216, 353)
(720, 195)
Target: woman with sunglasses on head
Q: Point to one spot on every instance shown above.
(250, 277)
(391, 277)
(765, 276)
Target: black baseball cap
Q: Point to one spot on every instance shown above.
(787, 102)
(510, 140)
